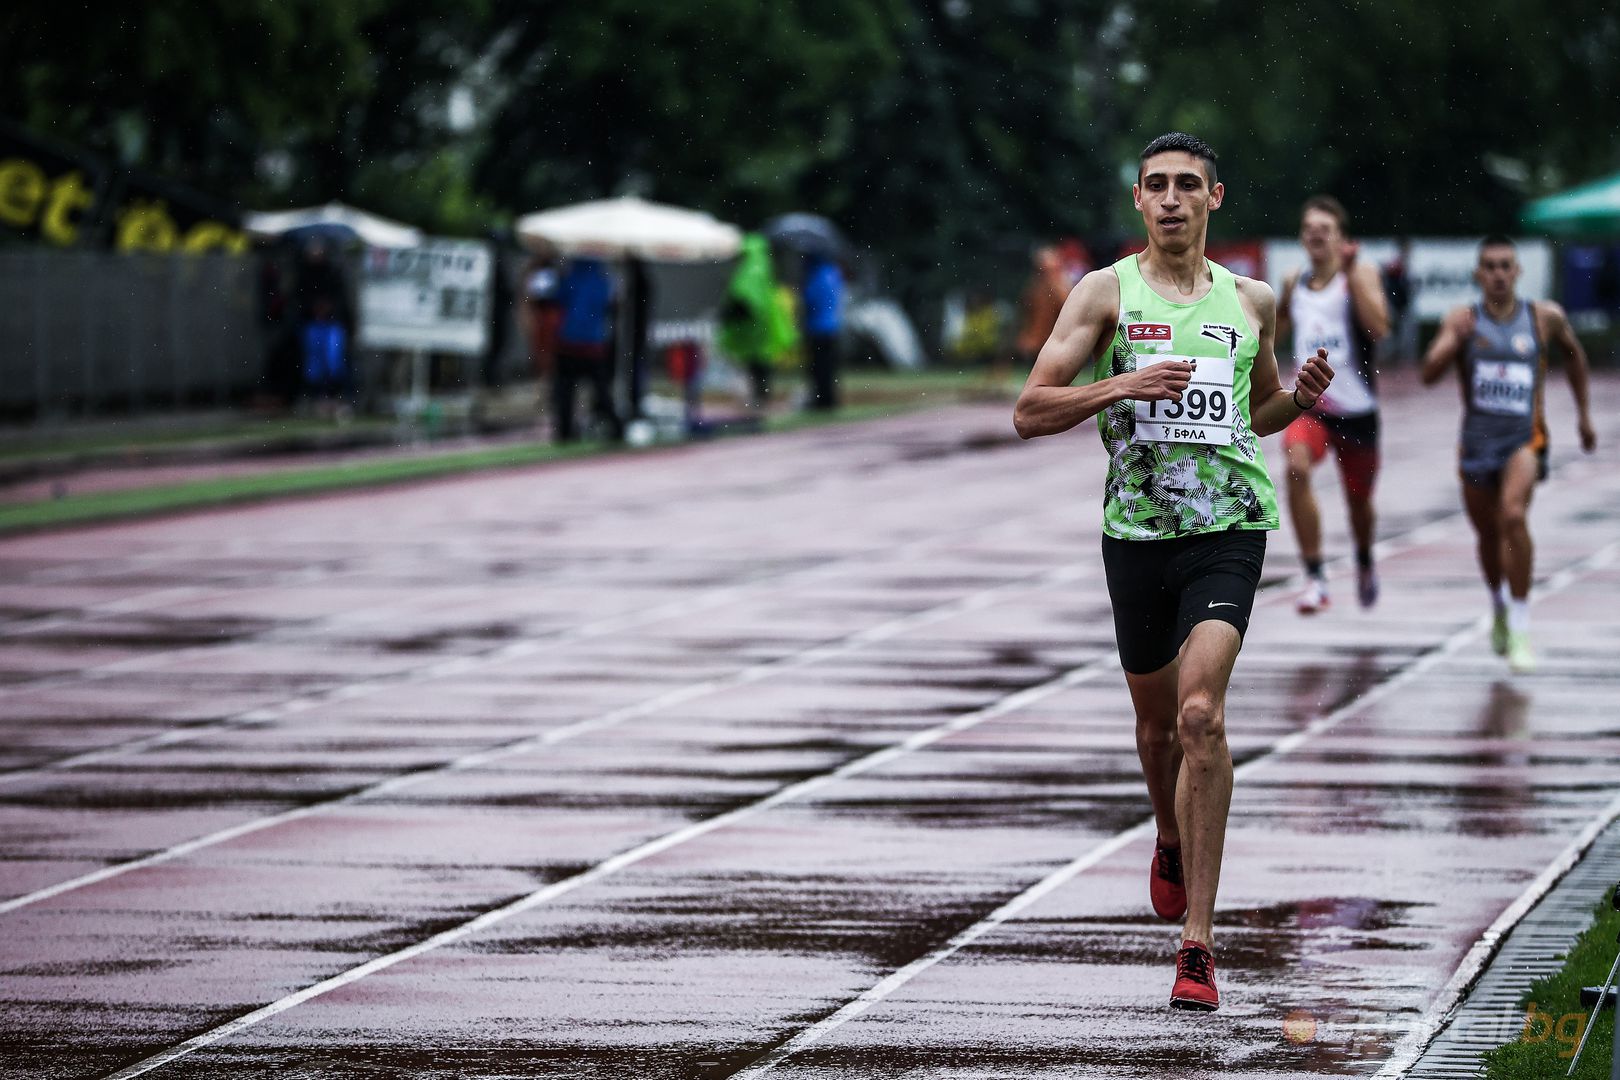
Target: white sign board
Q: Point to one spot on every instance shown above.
(435, 297)
(1441, 271)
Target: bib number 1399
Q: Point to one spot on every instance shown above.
(1204, 414)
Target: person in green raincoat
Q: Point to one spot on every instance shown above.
(757, 325)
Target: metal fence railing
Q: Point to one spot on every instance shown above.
(87, 331)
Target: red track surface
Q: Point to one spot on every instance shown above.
(631, 716)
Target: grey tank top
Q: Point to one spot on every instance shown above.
(1502, 377)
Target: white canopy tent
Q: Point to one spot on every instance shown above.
(631, 228)
(624, 229)
(335, 217)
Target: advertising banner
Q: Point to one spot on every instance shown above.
(435, 297)
(1441, 271)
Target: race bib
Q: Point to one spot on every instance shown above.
(1204, 414)
(1504, 388)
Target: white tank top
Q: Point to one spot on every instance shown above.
(1322, 320)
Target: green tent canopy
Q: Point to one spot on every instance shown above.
(1590, 209)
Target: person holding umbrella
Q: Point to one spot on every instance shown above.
(822, 295)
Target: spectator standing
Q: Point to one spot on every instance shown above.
(541, 312)
(823, 293)
(1044, 293)
(281, 357)
(980, 341)
(1401, 345)
(325, 321)
(500, 316)
(587, 299)
(755, 329)
(326, 357)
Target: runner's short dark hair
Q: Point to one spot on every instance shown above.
(1187, 144)
(1330, 206)
(1497, 239)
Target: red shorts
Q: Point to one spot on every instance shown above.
(1355, 443)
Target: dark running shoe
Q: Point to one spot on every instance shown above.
(1165, 888)
(1367, 586)
(1195, 979)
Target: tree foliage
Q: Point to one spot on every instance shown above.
(934, 130)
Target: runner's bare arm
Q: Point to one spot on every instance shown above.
(1560, 332)
(1090, 316)
(1271, 406)
(1367, 299)
(1446, 349)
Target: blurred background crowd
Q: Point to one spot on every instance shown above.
(648, 221)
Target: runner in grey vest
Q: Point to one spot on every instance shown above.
(1503, 369)
(1499, 348)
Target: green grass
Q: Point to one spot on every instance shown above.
(106, 505)
(868, 395)
(1558, 999)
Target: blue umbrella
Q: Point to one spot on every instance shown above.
(809, 234)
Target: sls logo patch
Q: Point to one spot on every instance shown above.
(1147, 331)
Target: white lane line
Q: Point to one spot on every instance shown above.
(1440, 1010)
(753, 673)
(631, 857)
(1060, 877)
(876, 759)
(1439, 1013)
(668, 699)
(461, 665)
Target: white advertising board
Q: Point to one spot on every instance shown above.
(1442, 271)
(434, 297)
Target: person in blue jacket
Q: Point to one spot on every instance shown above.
(586, 295)
(823, 295)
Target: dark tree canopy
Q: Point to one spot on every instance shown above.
(939, 132)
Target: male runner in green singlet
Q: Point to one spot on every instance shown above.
(1185, 384)
(1500, 349)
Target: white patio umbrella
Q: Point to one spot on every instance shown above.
(631, 228)
(335, 220)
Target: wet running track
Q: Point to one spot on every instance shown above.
(805, 757)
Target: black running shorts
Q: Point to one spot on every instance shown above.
(1161, 589)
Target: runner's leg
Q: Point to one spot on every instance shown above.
(1518, 552)
(1482, 502)
(1157, 744)
(1302, 511)
(1204, 793)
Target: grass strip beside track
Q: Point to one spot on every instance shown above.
(1546, 1045)
(873, 397)
(217, 491)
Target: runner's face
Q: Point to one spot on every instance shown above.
(1175, 199)
(1320, 235)
(1498, 272)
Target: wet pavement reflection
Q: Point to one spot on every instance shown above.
(842, 694)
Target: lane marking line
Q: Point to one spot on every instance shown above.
(461, 665)
(917, 741)
(1453, 644)
(680, 695)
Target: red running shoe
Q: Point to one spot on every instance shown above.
(1169, 895)
(1195, 979)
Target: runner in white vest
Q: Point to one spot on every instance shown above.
(1337, 304)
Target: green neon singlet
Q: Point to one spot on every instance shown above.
(1194, 466)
